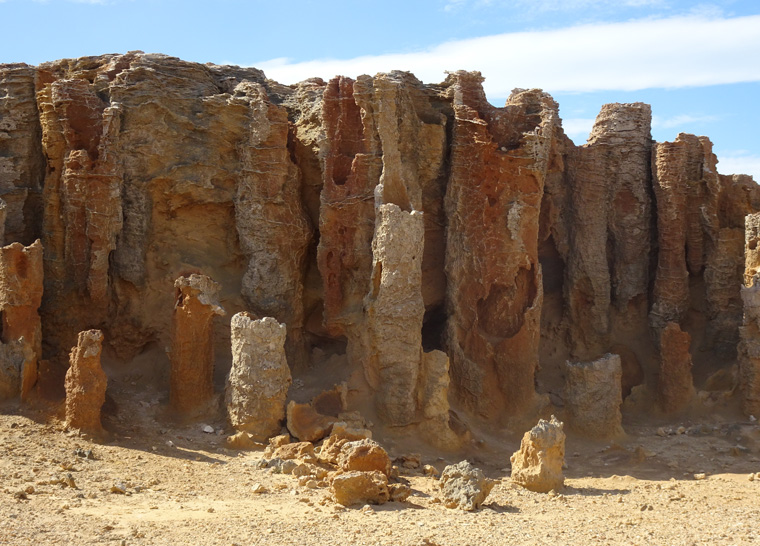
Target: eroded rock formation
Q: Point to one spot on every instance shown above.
(257, 385)
(749, 346)
(192, 353)
(676, 384)
(86, 383)
(412, 238)
(538, 464)
(593, 396)
(21, 288)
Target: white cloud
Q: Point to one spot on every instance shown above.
(578, 129)
(661, 53)
(739, 162)
(681, 120)
(538, 6)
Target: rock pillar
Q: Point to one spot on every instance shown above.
(593, 396)
(192, 355)
(20, 297)
(257, 385)
(676, 385)
(749, 333)
(86, 383)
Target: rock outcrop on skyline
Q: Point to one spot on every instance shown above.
(443, 257)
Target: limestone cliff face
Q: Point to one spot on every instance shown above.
(382, 221)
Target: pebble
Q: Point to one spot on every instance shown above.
(208, 429)
(119, 488)
(259, 488)
(700, 476)
(662, 432)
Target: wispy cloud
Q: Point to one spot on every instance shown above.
(739, 162)
(662, 53)
(544, 6)
(578, 129)
(682, 120)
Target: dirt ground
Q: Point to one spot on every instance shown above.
(152, 483)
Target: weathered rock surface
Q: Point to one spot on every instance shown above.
(14, 358)
(192, 354)
(464, 486)
(749, 345)
(350, 488)
(257, 385)
(364, 455)
(380, 220)
(493, 200)
(537, 466)
(593, 396)
(86, 383)
(21, 286)
(675, 384)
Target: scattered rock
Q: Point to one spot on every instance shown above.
(350, 488)
(306, 423)
(243, 441)
(364, 455)
(208, 429)
(299, 450)
(464, 486)
(537, 466)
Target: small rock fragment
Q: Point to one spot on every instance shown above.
(464, 486)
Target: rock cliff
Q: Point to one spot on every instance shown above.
(382, 221)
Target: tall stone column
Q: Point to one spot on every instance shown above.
(86, 383)
(749, 333)
(20, 297)
(192, 358)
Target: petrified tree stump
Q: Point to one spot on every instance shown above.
(593, 396)
(257, 385)
(86, 383)
(192, 358)
(20, 297)
(676, 385)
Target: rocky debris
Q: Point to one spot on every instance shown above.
(365, 456)
(749, 333)
(243, 441)
(464, 486)
(675, 382)
(593, 396)
(306, 423)
(493, 199)
(21, 284)
(191, 385)
(341, 434)
(258, 382)
(538, 464)
(303, 451)
(86, 383)
(351, 488)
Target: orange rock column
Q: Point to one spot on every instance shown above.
(192, 357)
(20, 297)
(86, 383)
(676, 386)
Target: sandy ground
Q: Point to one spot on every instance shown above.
(181, 486)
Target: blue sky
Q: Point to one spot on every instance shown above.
(698, 64)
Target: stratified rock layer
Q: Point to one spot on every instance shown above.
(191, 385)
(749, 346)
(257, 385)
(86, 383)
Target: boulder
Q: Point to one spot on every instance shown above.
(464, 486)
(349, 488)
(364, 455)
